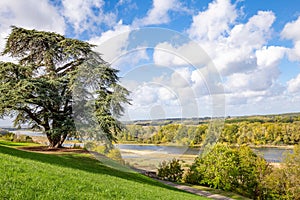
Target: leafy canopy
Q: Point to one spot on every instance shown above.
(38, 89)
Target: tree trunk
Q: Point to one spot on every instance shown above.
(55, 141)
(49, 136)
(62, 139)
(57, 134)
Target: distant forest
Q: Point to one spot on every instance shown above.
(274, 130)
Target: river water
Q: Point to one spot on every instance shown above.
(134, 150)
(148, 157)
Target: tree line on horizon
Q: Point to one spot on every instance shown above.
(240, 132)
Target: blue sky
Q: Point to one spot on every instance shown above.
(199, 58)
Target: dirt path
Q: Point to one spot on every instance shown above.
(199, 192)
(46, 149)
(195, 191)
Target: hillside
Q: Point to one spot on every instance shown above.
(28, 175)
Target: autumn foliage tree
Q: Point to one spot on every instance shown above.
(37, 88)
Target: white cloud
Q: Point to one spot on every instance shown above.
(188, 84)
(239, 51)
(200, 85)
(145, 95)
(181, 78)
(258, 80)
(294, 84)
(26, 15)
(291, 31)
(130, 60)
(226, 45)
(270, 56)
(231, 46)
(174, 101)
(213, 22)
(30, 14)
(166, 95)
(166, 54)
(294, 53)
(254, 33)
(266, 105)
(112, 42)
(83, 15)
(159, 14)
(236, 53)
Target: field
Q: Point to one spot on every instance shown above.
(29, 175)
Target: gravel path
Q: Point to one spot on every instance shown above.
(195, 191)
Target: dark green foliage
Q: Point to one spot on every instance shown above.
(230, 169)
(171, 171)
(38, 89)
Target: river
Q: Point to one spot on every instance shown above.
(148, 157)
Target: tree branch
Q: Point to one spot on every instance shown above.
(73, 63)
(32, 115)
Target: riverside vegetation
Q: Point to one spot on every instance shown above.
(230, 165)
(240, 170)
(271, 130)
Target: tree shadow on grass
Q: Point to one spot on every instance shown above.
(84, 163)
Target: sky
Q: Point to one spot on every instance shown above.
(182, 58)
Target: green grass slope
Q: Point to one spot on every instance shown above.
(28, 175)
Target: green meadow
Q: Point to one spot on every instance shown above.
(30, 175)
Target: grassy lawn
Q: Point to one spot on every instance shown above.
(29, 175)
(17, 144)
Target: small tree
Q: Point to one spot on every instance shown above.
(38, 89)
(230, 169)
(171, 170)
(284, 181)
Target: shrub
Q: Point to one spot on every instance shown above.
(171, 171)
(100, 149)
(192, 176)
(115, 154)
(8, 136)
(111, 153)
(230, 169)
(22, 138)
